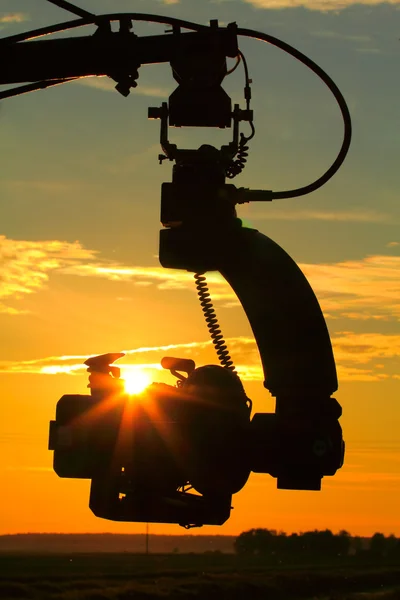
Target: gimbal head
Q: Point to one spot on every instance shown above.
(145, 454)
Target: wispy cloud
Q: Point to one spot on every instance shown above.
(356, 356)
(30, 469)
(243, 351)
(364, 482)
(363, 289)
(347, 216)
(362, 348)
(337, 35)
(319, 5)
(13, 18)
(108, 85)
(368, 288)
(165, 279)
(49, 186)
(26, 266)
(369, 50)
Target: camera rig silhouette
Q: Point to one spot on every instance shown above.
(177, 454)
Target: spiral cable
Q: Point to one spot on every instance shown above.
(238, 165)
(212, 323)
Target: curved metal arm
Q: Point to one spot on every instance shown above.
(284, 314)
(282, 309)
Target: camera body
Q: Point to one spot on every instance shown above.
(177, 454)
(143, 453)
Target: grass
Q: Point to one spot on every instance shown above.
(188, 577)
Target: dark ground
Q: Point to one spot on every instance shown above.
(188, 577)
(56, 543)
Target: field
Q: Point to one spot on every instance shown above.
(211, 576)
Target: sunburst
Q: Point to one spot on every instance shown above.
(136, 381)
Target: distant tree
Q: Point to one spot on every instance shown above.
(309, 545)
(378, 544)
(384, 546)
(256, 542)
(343, 543)
(395, 547)
(357, 545)
(391, 545)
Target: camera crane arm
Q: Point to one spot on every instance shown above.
(302, 441)
(153, 49)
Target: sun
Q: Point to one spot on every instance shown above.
(136, 381)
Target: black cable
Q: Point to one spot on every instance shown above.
(235, 66)
(239, 162)
(339, 98)
(97, 20)
(80, 12)
(247, 94)
(33, 87)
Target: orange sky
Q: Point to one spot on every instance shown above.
(79, 216)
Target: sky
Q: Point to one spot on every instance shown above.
(79, 222)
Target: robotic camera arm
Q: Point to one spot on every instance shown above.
(177, 454)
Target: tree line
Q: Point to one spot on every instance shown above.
(314, 545)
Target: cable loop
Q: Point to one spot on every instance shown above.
(89, 19)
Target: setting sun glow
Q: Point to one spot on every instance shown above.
(136, 381)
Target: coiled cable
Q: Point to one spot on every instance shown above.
(212, 323)
(239, 163)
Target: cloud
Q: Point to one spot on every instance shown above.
(356, 357)
(369, 51)
(13, 18)
(26, 265)
(108, 85)
(10, 310)
(241, 347)
(318, 5)
(336, 35)
(366, 356)
(357, 374)
(357, 478)
(165, 279)
(49, 186)
(364, 289)
(348, 216)
(368, 288)
(374, 450)
(362, 348)
(364, 481)
(392, 244)
(243, 351)
(30, 469)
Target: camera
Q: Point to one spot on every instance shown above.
(145, 453)
(177, 454)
